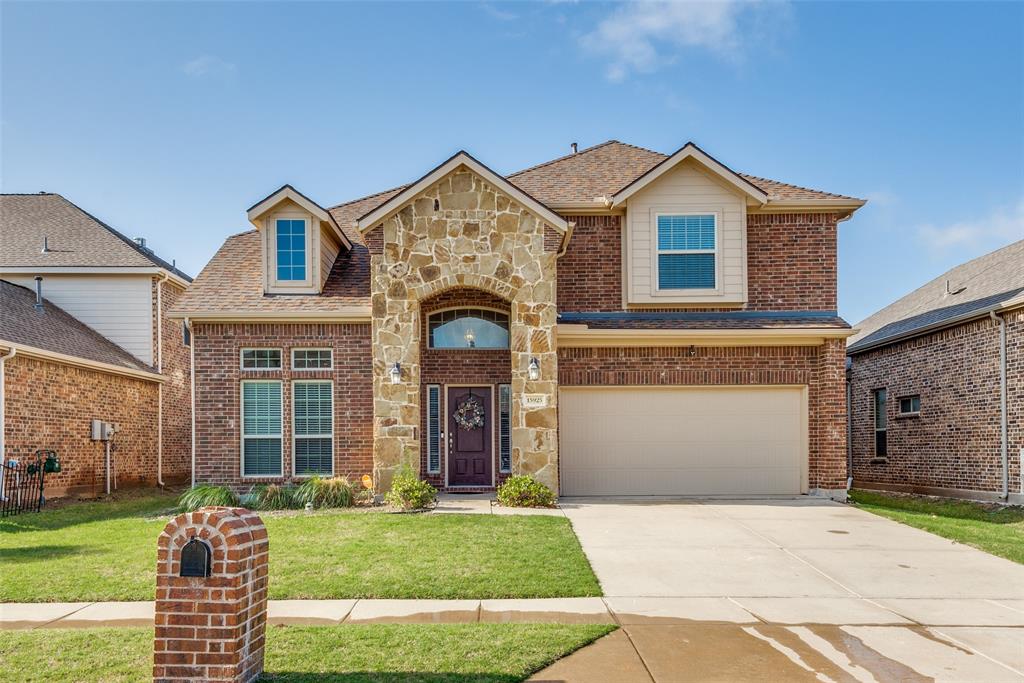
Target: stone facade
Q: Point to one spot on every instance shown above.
(463, 233)
(51, 405)
(953, 446)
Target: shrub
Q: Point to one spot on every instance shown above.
(523, 491)
(273, 497)
(205, 495)
(409, 492)
(335, 492)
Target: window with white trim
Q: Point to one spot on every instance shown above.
(687, 251)
(311, 359)
(261, 359)
(291, 249)
(261, 428)
(910, 405)
(313, 427)
(433, 429)
(505, 428)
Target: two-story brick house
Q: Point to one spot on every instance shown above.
(613, 322)
(84, 335)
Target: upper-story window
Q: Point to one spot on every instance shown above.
(687, 251)
(291, 250)
(468, 328)
(261, 359)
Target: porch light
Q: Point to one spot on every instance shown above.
(533, 371)
(396, 373)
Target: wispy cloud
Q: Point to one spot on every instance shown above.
(640, 37)
(498, 13)
(208, 65)
(1002, 224)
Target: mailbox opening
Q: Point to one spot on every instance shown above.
(195, 558)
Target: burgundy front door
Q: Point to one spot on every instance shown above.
(469, 436)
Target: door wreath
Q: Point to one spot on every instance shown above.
(470, 414)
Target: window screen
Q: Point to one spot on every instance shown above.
(261, 429)
(686, 252)
(313, 425)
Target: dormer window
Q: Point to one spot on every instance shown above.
(291, 250)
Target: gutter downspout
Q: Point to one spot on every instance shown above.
(192, 389)
(1002, 401)
(849, 423)
(3, 401)
(160, 387)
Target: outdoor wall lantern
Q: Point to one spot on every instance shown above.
(396, 373)
(195, 559)
(470, 338)
(533, 371)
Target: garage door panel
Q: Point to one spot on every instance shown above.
(682, 441)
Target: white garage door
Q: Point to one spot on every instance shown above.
(682, 441)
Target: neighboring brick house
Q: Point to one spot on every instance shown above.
(615, 321)
(100, 347)
(930, 377)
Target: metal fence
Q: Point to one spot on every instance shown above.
(21, 483)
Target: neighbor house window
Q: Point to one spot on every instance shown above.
(434, 437)
(686, 251)
(881, 442)
(261, 359)
(505, 428)
(910, 405)
(468, 328)
(313, 426)
(261, 428)
(311, 359)
(291, 249)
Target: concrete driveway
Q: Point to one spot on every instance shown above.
(791, 589)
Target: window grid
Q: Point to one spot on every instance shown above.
(504, 428)
(312, 359)
(313, 427)
(433, 429)
(686, 251)
(491, 329)
(291, 250)
(261, 359)
(261, 428)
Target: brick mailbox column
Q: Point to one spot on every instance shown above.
(211, 627)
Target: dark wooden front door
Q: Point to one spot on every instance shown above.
(469, 436)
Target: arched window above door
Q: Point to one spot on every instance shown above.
(468, 328)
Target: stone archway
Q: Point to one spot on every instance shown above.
(463, 232)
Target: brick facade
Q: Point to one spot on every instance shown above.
(590, 271)
(217, 350)
(819, 368)
(486, 367)
(954, 444)
(177, 395)
(51, 405)
(791, 261)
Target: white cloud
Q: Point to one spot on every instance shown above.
(498, 13)
(1002, 224)
(643, 36)
(207, 65)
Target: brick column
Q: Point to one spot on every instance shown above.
(828, 421)
(212, 628)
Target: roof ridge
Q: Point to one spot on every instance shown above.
(566, 156)
(369, 196)
(41, 193)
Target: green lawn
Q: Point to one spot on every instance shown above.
(994, 529)
(107, 551)
(399, 653)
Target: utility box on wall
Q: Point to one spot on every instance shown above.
(102, 431)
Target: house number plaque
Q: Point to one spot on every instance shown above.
(535, 400)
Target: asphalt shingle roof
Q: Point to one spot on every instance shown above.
(75, 237)
(975, 286)
(54, 329)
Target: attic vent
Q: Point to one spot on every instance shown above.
(141, 241)
(953, 292)
(46, 245)
(437, 205)
(575, 148)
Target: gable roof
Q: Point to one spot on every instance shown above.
(462, 158)
(55, 330)
(76, 238)
(287, 192)
(691, 151)
(991, 282)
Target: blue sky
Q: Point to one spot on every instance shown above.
(169, 120)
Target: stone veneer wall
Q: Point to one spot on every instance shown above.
(820, 368)
(462, 232)
(954, 444)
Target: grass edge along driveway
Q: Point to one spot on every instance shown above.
(996, 529)
(106, 550)
(399, 653)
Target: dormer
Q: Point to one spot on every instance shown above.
(300, 242)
